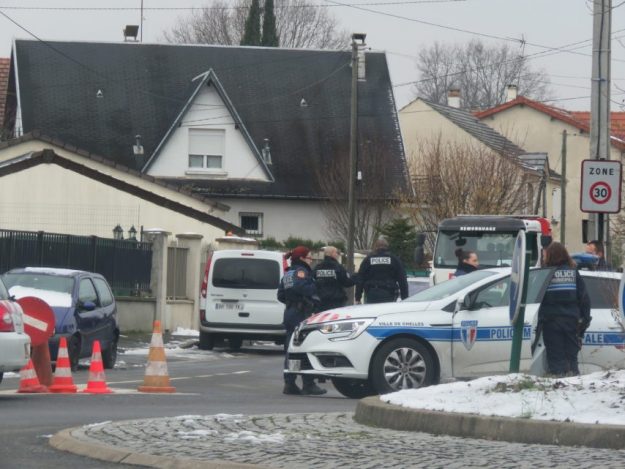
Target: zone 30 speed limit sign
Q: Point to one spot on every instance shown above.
(601, 186)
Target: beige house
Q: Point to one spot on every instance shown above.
(423, 121)
(538, 127)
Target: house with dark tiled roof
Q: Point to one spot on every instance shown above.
(424, 123)
(254, 129)
(539, 127)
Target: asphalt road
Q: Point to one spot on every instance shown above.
(207, 383)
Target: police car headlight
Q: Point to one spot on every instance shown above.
(344, 330)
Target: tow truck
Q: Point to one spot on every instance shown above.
(491, 237)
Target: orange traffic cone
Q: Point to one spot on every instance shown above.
(156, 377)
(97, 381)
(63, 381)
(29, 381)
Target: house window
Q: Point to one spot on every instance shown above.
(206, 149)
(252, 223)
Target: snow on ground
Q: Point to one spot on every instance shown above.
(594, 398)
(186, 332)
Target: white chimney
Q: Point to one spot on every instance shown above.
(511, 93)
(453, 98)
(362, 76)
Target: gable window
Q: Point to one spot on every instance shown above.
(206, 149)
(252, 223)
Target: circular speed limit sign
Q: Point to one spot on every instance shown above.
(600, 192)
(601, 186)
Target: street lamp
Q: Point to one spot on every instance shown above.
(118, 232)
(132, 233)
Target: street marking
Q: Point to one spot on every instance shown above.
(186, 377)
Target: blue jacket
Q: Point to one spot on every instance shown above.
(566, 295)
(298, 292)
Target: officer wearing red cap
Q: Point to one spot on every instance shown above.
(298, 292)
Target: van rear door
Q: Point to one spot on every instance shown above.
(243, 289)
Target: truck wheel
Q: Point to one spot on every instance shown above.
(353, 388)
(207, 341)
(402, 364)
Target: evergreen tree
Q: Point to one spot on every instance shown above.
(402, 239)
(270, 35)
(251, 36)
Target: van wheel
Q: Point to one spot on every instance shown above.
(235, 343)
(207, 341)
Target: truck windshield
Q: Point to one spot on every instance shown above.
(493, 249)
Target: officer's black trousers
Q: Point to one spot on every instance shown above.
(379, 295)
(561, 345)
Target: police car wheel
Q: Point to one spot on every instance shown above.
(353, 388)
(402, 364)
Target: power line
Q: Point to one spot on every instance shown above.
(277, 7)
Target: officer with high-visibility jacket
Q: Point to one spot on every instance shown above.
(564, 313)
(297, 290)
(381, 275)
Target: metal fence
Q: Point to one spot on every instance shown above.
(177, 272)
(126, 264)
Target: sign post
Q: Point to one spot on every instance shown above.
(521, 260)
(601, 186)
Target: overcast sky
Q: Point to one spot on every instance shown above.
(401, 30)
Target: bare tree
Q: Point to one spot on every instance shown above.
(299, 25)
(452, 179)
(375, 200)
(481, 73)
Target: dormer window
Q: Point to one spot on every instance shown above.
(206, 150)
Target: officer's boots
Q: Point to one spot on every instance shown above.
(313, 390)
(291, 388)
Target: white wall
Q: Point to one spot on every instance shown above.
(51, 198)
(536, 131)
(208, 112)
(283, 218)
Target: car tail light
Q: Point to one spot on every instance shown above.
(6, 322)
(204, 285)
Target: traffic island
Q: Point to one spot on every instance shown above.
(374, 412)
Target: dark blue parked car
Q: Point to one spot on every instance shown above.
(83, 304)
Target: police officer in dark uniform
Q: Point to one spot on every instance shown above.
(298, 292)
(564, 312)
(381, 275)
(332, 279)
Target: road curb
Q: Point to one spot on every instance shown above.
(66, 441)
(374, 412)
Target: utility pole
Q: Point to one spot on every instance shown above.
(600, 100)
(141, 27)
(353, 151)
(563, 192)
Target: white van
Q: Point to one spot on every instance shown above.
(238, 298)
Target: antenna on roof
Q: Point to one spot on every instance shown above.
(137, 149)
(131, 31)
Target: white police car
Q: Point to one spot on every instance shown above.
(456, 329)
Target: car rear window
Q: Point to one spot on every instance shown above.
(603, 292)
(39, 281)
(259, 274)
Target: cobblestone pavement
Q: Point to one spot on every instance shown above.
(326, 441)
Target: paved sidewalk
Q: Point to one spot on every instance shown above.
(327, 440)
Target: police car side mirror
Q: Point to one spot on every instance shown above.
(464, 303)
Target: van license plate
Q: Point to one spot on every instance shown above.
(295, 365)
(229, 306)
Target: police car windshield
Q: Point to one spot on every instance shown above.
(450, 287)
